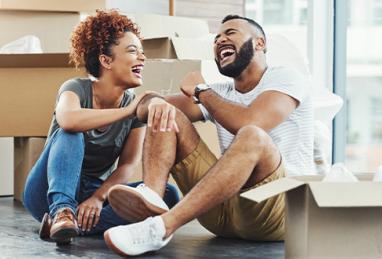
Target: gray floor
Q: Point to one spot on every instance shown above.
(19, 239)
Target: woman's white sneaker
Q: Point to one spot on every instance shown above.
(137, 238)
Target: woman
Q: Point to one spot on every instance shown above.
(94, 124)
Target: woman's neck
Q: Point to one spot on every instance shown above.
(106, 94)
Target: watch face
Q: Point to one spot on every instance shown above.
(202, 87)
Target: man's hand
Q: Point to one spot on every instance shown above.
(161, 116)
(189, 83)
(88, 213)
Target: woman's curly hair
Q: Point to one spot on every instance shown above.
(95, 36)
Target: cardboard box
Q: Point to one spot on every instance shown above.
(26, 153)
(158, 26)
(52, 28)
(179, 48)
(328, 220)
(29, 85)
(171, 37)
(53, 5)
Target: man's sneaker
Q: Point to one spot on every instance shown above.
(136, 204)
(137, 238)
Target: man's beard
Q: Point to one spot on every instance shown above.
(241, 61)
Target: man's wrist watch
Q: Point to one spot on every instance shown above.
(198, 89)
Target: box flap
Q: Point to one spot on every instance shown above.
(159, 48)
(179, 48)
(354, 194)
(193, 48)
(271, 189)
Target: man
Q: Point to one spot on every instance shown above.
(264, 121)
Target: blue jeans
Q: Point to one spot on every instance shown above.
(55, 182)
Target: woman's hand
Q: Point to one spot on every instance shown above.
(88, 213)
(161, 116)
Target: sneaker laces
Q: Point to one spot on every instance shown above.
(145, 233)
(141, 186)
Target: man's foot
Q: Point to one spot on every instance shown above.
(136, 204)
(138, 238)
(45, 226)
(64, 227)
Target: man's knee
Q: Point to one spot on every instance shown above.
(253, 137)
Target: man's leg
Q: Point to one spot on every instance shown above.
(160, 152)
(251, 158)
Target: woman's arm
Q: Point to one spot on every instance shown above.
(128, 161)
(71, 117)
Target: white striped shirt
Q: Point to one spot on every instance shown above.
(294, 136)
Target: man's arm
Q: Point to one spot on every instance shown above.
(267, 111)
(186, 105)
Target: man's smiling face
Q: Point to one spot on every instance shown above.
(233, 47)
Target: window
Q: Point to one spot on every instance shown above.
(363, 151)
(286, 17)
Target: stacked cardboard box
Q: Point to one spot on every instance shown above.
(28, 82)
(27, 106)
(37, 77)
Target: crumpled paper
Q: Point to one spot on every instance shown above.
(26, 44)
(339, 173)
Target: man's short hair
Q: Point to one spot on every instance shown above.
(252, 22)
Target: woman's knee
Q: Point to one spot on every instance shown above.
(70, 137)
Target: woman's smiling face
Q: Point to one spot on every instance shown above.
(128, 60)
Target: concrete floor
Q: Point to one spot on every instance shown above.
(19, 239)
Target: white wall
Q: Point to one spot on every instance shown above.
(6, 166)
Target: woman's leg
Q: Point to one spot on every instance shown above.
(52, 182)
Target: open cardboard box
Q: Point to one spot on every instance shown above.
(179, 48)
(171, 37)
(326, 219)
